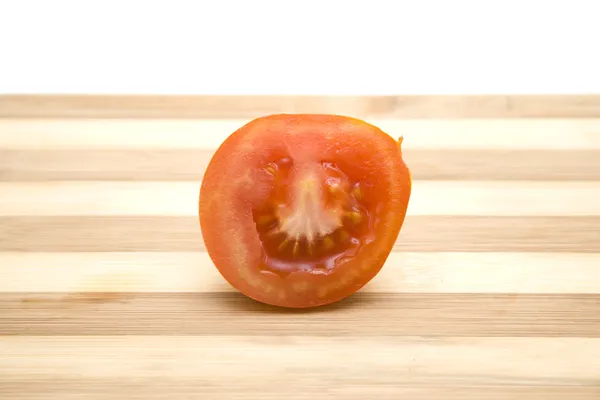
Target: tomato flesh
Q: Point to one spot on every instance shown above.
(303, 210)
(314, 228)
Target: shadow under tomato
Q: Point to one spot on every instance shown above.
(240, 303)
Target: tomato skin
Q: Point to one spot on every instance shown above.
(236, 183)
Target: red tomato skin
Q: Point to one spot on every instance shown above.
(235, 182)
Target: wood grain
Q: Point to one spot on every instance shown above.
(106, 290)
(363, 315)
(292, 389)
(189, 164)
(419, 233)
(486, 198)
(207, 134)
(390, 360)
(403, 272)
(182, 106)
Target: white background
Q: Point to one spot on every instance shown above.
(300, 47)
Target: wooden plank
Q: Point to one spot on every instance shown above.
(182, 234)
(402, 273)
(461, 198)
(230, 106)
(361, 315)
(387, 361)
(190, 164)
(26, 387)
(208, 134)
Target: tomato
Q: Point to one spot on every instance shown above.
(303, 210)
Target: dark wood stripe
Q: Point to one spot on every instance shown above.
(184, 164)
(557, 165)
(357, 386)
(364, 314)
(116, 165)
(250, 106)
(420, 233)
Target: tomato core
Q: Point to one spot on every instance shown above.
(313, 218)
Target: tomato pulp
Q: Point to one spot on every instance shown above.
(303, 210)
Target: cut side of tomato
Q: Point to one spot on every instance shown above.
(303, 210)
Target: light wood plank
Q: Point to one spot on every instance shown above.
(419, 234)
(402, 273)
(361, 315)
(199, 106)
(386, 361)
(459, 198)
(190, 164)
(27, 387)
(491, 134)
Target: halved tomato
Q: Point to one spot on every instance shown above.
(303, 210)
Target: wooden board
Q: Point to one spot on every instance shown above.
(106, 291)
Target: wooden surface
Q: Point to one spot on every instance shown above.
(178, 106)
(106, 292)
